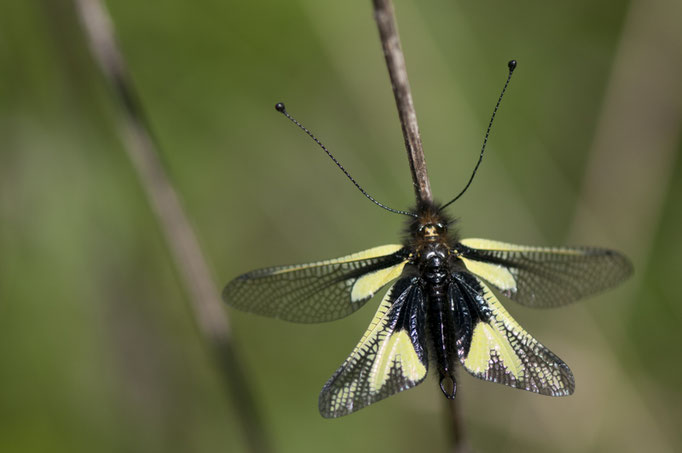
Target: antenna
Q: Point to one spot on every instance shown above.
(280, 108)
(511, 65)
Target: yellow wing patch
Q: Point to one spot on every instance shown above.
(395, 352)
(498, 275)
(502, 351)
(488, 342)
(367, 285)
(385, 361)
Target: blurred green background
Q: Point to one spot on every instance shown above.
(98, 347)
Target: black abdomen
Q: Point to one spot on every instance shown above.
(435, 275)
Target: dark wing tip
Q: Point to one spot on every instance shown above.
(622, 267)
(324, 402)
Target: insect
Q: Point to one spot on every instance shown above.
(442, 308)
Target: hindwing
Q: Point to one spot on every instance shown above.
(317, 292)
(390, 357)
(500, 350)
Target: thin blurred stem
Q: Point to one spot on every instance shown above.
(190, 263)
(384, 15)
(395, 61)
(638, 133)
(458, 438)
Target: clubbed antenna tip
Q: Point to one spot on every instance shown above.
(511, 65)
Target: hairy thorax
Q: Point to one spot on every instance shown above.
(431, 240)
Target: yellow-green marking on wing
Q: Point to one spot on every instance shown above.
(502, 351)
(496, 274)
(488, 342)
(396, 352)
(386, 360)
(367, 285)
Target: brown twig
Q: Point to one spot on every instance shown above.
(459, 443)
(190, 263)
(395, 61)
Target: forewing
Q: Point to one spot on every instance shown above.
(390, 357)
(544, 276)
(317, 292)
(500, 350)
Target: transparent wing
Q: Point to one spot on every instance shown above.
(544, 276)
(390, 357)
(501, 351)
(317, 292)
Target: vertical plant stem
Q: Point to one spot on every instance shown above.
(397, 70)
(190, 263)
(455, 424)
(384, 15)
